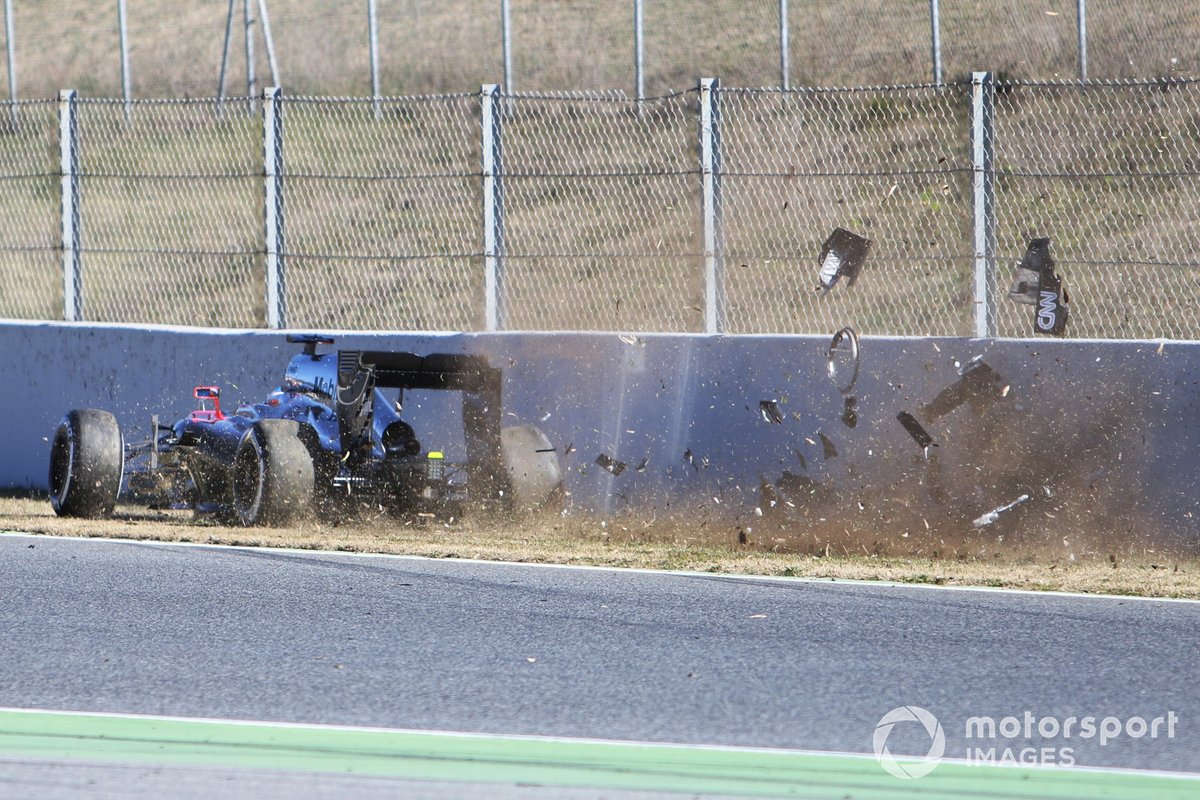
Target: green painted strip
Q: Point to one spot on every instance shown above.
(548, 762)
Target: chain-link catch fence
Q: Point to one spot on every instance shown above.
(598, 212)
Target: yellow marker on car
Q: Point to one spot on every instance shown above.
(435, 468)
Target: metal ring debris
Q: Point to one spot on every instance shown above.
(835, 375)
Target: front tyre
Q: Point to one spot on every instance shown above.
(87, 457)
(272, 478)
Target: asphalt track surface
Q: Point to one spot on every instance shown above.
(257, 634)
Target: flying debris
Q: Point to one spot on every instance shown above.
(827, 449)
(918, 433)
(769, 499)
(1051, 317)
(611, 464)
(978, 384)
(850, 412)
(994, 514)
(1028, 274)
(690, 459)
(793, 489)
(843, 360)
(1035, 283)
(842, 255)
(770, 412)
(641, 467)
(842, 364)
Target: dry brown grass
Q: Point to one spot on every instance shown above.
(649, 546)
(430, 45)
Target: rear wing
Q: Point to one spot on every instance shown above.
(359, 372)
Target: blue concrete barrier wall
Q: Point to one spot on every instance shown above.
(1100, 433)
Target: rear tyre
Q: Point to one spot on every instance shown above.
(87, 457)
(272, 478)
(531, 462)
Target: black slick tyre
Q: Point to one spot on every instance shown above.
(272, 477)
(87, 457)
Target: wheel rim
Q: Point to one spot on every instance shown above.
(62, 455)
(248, 476)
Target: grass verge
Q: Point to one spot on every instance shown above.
(647, 546)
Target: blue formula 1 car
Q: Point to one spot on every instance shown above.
(329, 437)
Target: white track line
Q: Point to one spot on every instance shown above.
(597, 568)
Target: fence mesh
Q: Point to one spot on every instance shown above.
(31, 285)
(602, 213)
(602, 217)
(170, 207)
(1112, 174)
(382, 202)
(893, 165)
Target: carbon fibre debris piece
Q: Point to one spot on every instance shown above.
(1036, 262)
(770, 412)
(978, 384)
(994, 514)
(828, 451)
(1051, 315)
(1035, 283)
(916, 431)
(610, 464)
(850, 412)
(842, 255)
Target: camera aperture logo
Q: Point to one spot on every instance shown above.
(909, 768)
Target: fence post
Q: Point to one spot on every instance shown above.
(12, 61)
(510, 83)
(273, 206)
(373, 42)
(265, 20)
(1081, 23)
(225, 59)
(251, 80)
(639, 85)
(493, 208)
(784, 68)
(68, 141)
(935, 41)
(982, 152)
(125, 79)
(710, 171)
